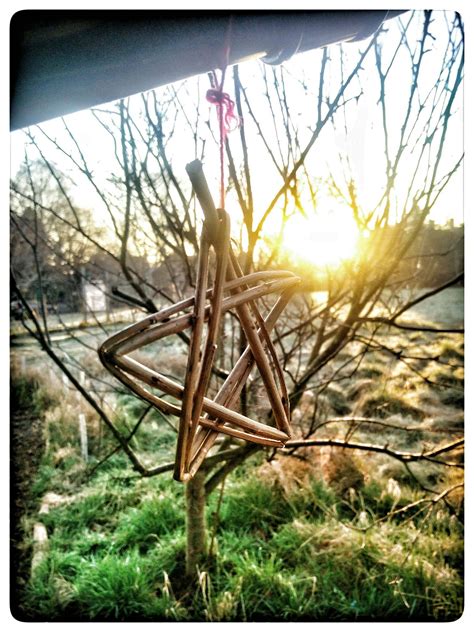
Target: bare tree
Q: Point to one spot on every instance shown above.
(153, 221)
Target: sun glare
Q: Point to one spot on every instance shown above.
(321, 240)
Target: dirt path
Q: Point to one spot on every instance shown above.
(26, 449)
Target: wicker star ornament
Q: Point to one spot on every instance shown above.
(201, 417)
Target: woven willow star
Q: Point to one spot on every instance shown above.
(203, 418)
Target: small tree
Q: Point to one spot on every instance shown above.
(152, 220)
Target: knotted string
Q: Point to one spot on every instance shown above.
(228, 120)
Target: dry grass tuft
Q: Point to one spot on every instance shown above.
(312, 406)
(340, 470)
(61, 455)
(289, 473)
(360, 388)
(167, 360)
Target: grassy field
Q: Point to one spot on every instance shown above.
(332, 536)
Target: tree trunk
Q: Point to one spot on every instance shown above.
(196, 548)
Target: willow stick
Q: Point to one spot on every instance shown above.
(192, 376)
(230, 390)
(154, 379)
(261, 359)
(142, 335)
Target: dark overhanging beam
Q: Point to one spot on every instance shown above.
(66, 61)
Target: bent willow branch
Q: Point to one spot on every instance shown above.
(404, 457)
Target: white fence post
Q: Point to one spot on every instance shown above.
(83, 436)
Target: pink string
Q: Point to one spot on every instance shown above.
(228, 120)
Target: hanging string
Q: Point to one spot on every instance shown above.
(228, 120)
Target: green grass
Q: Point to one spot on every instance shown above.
(144, 525)
(117, 554)
(26, 392)
(296, 552)
(254, 506)
(106, 587)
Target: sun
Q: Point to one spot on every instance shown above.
(322, 240)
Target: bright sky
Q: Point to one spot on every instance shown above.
(363, 144)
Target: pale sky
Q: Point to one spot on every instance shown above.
(363, 144)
